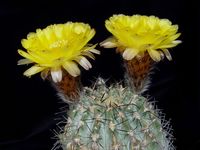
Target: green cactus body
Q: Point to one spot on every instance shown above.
(113, 118)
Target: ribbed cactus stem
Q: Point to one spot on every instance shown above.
(114, 118)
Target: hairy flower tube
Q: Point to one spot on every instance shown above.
(137, 34)
(57, 47)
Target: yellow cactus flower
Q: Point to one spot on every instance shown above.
(134, 35)
(57, 47)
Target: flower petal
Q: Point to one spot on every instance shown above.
(56, 74)
(85, 63)
(89, 54)
(167, 54)
(33, 70)
(177, 42)
(24, 62)
(129, 53)
(72, 68)
(95, 51)
(155, 55)
(44, 74)
(162, 55)
(26, 55)
(109, 43)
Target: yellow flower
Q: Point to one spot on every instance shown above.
(134, 35)
(57, 47)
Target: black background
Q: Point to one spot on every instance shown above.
(28, 106)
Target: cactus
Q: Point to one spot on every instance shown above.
(114, 118)
(105, 118)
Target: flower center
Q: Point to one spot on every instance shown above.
(58, 44)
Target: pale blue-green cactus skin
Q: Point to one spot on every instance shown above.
(114, 118)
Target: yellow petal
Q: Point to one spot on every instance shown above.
(26, 55)
(72, 68)
(174, 37)
(33, 70)
(49, 33)
(155, 55)
(42, 38)
(58, 31)
(130, 53)
(25, 43)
